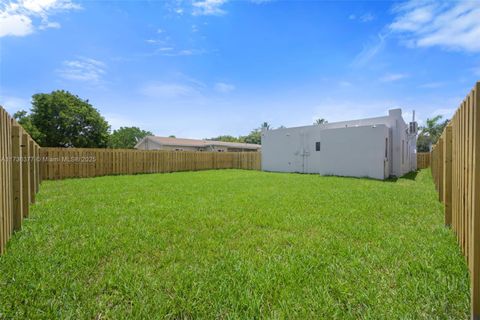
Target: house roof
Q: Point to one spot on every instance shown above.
(199, 143)
(389, 121)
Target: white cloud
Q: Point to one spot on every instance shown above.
(224, 87)
(50, 25)
(22, 17)
(164, 41)
(83, 69)
(166, 47)
(451, 25)
(44, 6)
(393, 77)
(168, 51)
(366, 17)
(208, 8)
(15, 25)
(186, 52)
(370, 50)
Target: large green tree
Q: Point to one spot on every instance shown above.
(61, 119)
(127, 137)
(430, 132)
(24, 119)
(255, 137)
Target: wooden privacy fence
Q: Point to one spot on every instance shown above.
(423, 160)
(19, 176)
(456, 173)
(60, 163)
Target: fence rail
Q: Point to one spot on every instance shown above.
(423, 160)
(19, 176)
(60, 163)
(456, 173)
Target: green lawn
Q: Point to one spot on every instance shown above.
(235, 244)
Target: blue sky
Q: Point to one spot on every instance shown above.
(203, 68)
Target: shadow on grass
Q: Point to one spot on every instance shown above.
(412, 175)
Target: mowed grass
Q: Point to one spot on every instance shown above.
(235, 244)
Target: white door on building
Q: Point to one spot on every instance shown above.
(305, 152)
(301, 154)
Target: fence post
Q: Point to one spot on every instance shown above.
(447, 175)
(440, 157)
(17, 177)
(37, 168)
(41, 164)
(25, 175)
(31, 156)
(475, 272)
(432, 165)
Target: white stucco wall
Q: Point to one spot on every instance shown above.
(350, 151)
(348, 148)
(354, 151)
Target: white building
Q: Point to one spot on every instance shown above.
(376, 147)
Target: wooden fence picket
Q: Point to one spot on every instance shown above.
(16, 172)
(57, 163)
(456, 174)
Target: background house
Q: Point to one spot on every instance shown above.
(374, 147)
(179, 144)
